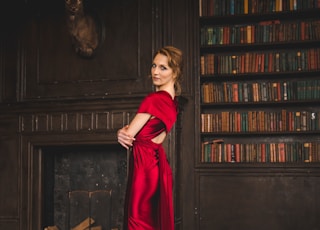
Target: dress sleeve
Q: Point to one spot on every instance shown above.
(160, 105)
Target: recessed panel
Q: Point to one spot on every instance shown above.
(120, 64)
(258, 202)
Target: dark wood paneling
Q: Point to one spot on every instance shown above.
(179, 19)
(1, 67)
(12, 225)
(184, 35)
(10, 31)
(8, 67)
(249, 202)
(9, 169)
(119, 68)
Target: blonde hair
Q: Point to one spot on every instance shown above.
(175, 62)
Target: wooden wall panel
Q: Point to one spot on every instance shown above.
(8, 67)
(179, 26)
(9, 169)
(1, 68)
(120, 67)
(271, 201)
(12, 225)
(183, 35)
(10, 30)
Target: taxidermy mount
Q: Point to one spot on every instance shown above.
(85, 27)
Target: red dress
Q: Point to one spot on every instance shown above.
(149, 203)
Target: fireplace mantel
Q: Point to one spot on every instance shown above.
(68, 129)
(72, 128)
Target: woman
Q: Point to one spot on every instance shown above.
(149, 193)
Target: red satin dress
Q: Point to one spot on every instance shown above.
(149, 203)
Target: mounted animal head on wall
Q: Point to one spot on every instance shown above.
(85, 27)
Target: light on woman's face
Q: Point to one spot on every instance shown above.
(162, 74)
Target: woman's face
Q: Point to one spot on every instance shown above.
(162, 75)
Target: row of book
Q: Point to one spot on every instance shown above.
(294, 152)
(259, 33)
(260, 62)
(260, 121)
(238, 7)
(266, 91)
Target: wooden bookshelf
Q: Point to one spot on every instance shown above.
(259, 82)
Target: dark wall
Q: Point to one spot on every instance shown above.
(51, 96)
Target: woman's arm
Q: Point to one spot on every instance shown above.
(127, 133)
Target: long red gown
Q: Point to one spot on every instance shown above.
(149, 203)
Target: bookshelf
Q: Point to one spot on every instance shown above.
(259, 82)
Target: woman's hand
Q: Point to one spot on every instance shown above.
(124, 138)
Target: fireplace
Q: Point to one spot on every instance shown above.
(82, 186)
(73, 171)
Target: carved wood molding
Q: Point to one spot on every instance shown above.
(73, 122)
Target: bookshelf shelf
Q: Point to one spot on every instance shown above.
(217, 105)
(258, 168)
(293, 75)
(293, 134)
(301, 14)
(259, 79)
(257, 46)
